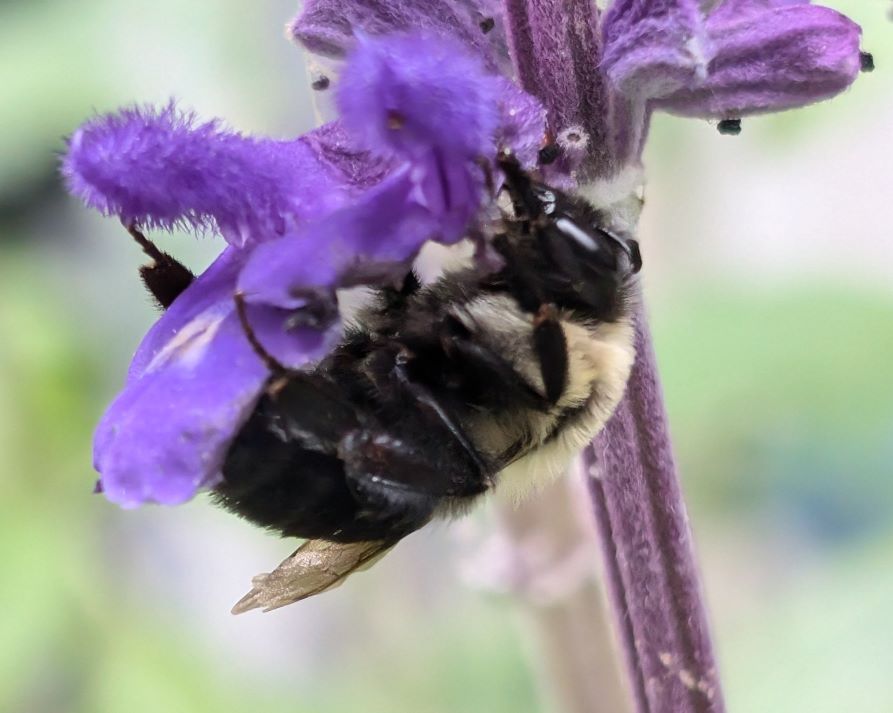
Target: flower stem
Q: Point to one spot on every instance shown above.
(555, 46)
(651, 573)
(554, 572)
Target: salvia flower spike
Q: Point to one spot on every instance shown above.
(424, 89)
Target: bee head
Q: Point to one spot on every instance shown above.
(570, 228)
(564, 243)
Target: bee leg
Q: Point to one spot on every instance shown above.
(391, 483)
(395, 298)
(165, 277)
(439, 413)
(417, 452)
(490, 372)
(398, 479)
(550, 345)
(311, 463)
(308, 464)
(272, 364)
(519, 186)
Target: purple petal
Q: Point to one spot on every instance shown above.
(650, 49)
(162, 168)
(340, 151)
(397, 97)
(281, 272)
(193, 382)
(653, 47)
(374, 239)
(771, 55)
(328, 27)
(214, 286)
(522, 124)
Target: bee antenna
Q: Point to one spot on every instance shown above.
(518, 184)
(271, 362)
(147, 245)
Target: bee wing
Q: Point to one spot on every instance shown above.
(315, 567)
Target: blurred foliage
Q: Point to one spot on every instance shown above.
(823, 647)
(779, 397)
(804, 365)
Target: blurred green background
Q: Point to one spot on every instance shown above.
(770, 282)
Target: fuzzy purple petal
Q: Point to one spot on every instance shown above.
(770, 55)
(653, 47)
(441, 103)
(374, 240)
(329, 27)
(193, 382)
(650, 49)
(341, 152)
(398, 99)
(522, 122)
(163, 168)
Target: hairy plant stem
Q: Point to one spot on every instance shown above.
(651, 573)
(555, 45)
(553, 561)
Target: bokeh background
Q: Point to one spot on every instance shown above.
(770, 282)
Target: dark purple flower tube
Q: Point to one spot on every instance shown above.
(769, 56)
(745, 57)
(329, 27)
(651, 571)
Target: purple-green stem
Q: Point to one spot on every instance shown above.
(546, 37)
(553, 570)
(651, 574)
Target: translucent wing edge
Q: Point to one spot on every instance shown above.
(315, 567)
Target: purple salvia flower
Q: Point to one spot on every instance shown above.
(600, 77)
(349, 203)
(377, 236)
(193, 381)
(399, 100)
(437, 111)
(433, 115)
(815, 55)
(745, 57)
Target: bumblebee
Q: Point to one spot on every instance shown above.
(485, 379)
